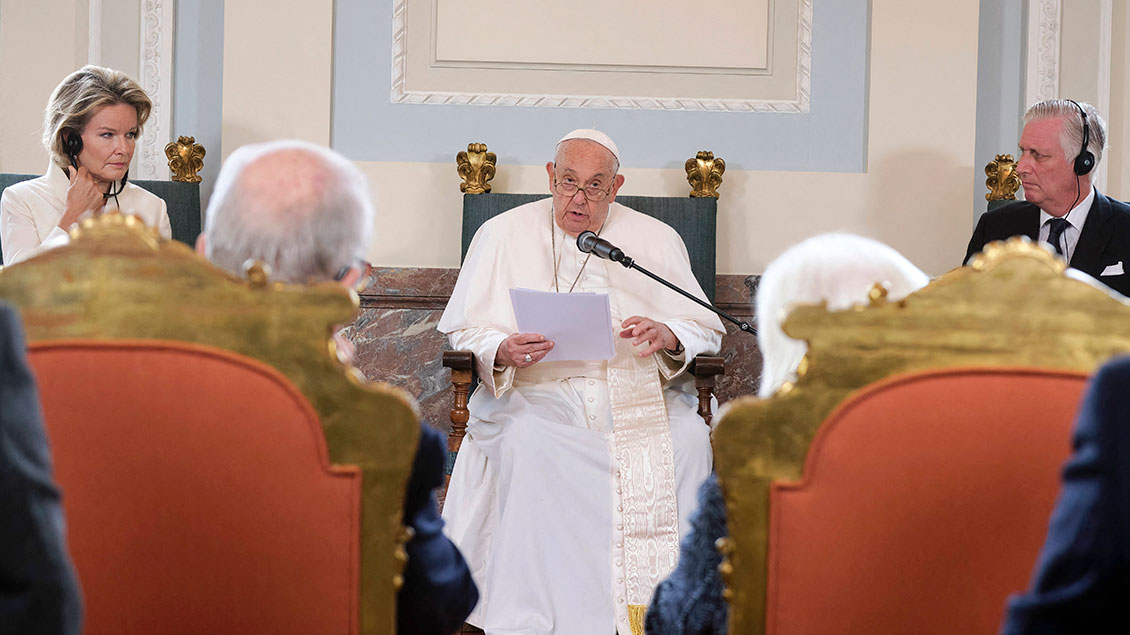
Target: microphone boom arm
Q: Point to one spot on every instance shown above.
(590, 243)
(629, 263)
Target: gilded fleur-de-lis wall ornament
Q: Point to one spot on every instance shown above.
(1003, 182)
(476, 168)
(704, 173)
(186, 159)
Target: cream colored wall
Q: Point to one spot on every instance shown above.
(277, 83)
(121, 36)
(30, 69)
(278, 72)
(914, 194)
(40, 44)
(1118, 157)
(1089, 27)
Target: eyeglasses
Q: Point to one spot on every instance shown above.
(362, 282)
(592, 192)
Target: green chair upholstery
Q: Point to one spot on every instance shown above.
(181, 199)
(695, 220)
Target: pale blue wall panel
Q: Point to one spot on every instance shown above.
(831, 137)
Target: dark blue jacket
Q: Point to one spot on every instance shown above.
(438, 591)
(689, 601)
(1082, 578)
(38, 591)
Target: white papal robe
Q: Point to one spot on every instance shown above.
(576, 479)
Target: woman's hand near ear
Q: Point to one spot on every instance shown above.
(83, 195)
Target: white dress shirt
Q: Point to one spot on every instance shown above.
(1075, 219)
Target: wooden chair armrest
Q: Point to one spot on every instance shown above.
(462, 365)
(705, 368)
(459, 360)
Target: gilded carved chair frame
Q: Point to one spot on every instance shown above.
(1013, 306)
(118, 280)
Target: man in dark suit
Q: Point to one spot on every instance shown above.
(1082, 578)
(38, 591)
(1062, 143)
(305, 211)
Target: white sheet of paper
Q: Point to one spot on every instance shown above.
(578, 324)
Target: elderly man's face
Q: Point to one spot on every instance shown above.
(1047, 174)
(590, 167)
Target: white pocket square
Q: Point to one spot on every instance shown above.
(1113, 270)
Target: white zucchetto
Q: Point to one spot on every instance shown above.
(593, 135)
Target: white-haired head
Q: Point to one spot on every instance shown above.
(839, 269)
(302, 209)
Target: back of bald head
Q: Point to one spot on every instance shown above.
(302, 209)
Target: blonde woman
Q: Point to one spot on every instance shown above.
(90, 129)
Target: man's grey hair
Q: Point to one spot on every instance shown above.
(306, 221)
(1071, 136)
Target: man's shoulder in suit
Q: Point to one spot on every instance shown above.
(1015, 219)
(1013, 212)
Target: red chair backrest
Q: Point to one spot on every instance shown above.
(924, 503)
(198, 492)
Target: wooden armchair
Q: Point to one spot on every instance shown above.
(904, 483)
(693, 217)
(221, 471)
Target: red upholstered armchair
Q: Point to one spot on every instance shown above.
(904, 483)
(199, 493)
(920, 512)
(221, 470)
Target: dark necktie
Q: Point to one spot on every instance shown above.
(1056, 226)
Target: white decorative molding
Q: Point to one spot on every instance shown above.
(799, 103)
(156, 77)
(1044, 25)
(94, 33)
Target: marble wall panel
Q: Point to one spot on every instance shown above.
(397, 342)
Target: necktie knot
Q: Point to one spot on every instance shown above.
(1056, 227)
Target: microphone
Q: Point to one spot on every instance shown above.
(590, 243)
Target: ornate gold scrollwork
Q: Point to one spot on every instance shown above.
(1003, 180)
(117, 279)
(1005, 309)
(704, 173)
(476, 168)
(186, 159)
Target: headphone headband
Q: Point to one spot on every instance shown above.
(1084, 161)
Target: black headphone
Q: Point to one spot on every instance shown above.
(73, 144)
(1085, 160)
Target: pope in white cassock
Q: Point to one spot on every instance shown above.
(576, 479)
